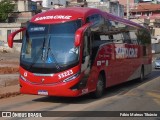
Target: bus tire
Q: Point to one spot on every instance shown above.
(99, 87)
(141, 78)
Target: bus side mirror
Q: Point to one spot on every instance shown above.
(77, 40)
(79, 35)
(12, 35)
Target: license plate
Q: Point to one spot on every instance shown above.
(42, 92)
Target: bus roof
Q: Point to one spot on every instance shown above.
(122, 20)
(73, 13)
(63, 15)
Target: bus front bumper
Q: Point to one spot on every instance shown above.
(60, 89)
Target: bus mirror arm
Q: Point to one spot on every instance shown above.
(12, 35)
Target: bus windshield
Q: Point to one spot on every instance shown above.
(49, 48)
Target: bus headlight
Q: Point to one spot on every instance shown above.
(72, 77)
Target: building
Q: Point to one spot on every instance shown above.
(24, 5)
(39, 4)
(146, 9)
(145, 12)
(112, 7)
(24, 10)
(53, 4)
(7, 28)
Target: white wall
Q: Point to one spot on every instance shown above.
(9, 27)
(47, 3)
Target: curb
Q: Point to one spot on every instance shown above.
(9, 91)
(9, 94)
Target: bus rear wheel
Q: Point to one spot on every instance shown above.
(99, 87)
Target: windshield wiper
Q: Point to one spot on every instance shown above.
(43, 56)
(49, 49)
(43, 51)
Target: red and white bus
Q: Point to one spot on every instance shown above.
(75, 51)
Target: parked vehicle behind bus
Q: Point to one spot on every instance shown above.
(157, 63)
(75, 51)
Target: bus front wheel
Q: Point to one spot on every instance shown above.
(99, 87)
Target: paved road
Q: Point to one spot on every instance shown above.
(130, 96)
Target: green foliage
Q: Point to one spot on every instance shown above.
(6, 7)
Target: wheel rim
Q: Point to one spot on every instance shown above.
(100, 85)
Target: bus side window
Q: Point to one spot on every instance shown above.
(96, 18)
(126, 37)
(96, 36)
(113, 26)
(110, 37)
(87, 20)
(107, 25)
(86, 47)
(90, 19)
(133, 37)
(144, 39)
(117, 38)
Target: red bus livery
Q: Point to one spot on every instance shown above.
(124, 52)
(75, 51)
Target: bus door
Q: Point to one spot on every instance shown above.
(86, 56)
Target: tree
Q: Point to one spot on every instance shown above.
(6, 7)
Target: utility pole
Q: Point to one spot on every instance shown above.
(128, 15)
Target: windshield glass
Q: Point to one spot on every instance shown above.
(49, 48)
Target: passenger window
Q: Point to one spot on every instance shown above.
(114, 26)
(117, 38)
(126, 37)
(85, 50)
(86, 47)
(133, 37)
(104, 37)
(94, 18)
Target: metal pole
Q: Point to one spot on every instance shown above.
(128, 2)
